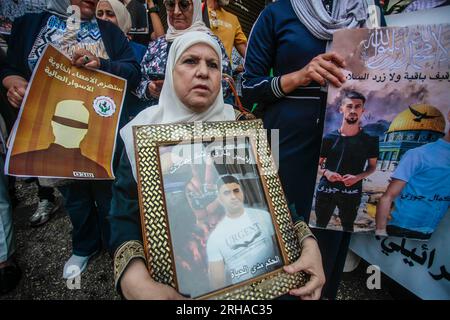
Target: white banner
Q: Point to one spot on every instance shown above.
(421, 267)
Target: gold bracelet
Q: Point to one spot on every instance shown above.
(303, 231)
(123, 256)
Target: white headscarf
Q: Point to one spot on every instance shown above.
(122, 15)
(197, 23)
(170, 109)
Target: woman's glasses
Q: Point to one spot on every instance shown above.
(183, 5)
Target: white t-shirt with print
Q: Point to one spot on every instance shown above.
(245, 245)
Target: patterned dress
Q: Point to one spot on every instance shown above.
(68, 37)
(237, 61)
(155, 60)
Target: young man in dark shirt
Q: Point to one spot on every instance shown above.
(342, 163)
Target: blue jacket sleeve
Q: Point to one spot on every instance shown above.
(124, 216)
(23, 34)
(257, 84)
(121, 60)
(11, 65)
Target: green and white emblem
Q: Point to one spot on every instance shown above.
(104, 106)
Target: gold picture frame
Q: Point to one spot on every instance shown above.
(159, 228)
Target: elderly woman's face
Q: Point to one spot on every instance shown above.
(197, 77)
(106, 12)
(87, 8)
(180, 16)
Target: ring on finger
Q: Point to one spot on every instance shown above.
(17, 94)
(85, 59)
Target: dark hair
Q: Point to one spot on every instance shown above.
(226, 180)
(351, 94)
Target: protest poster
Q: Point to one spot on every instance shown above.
(68, 122)
(421, 267)
(394, 100)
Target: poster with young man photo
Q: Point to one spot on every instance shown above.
(385, 157)
(221, 228)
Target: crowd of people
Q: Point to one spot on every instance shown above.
(177, 77)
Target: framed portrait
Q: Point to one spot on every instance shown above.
(215, 222)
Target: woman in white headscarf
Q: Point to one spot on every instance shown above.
(116, 12)
(182, 16)
(193, 69)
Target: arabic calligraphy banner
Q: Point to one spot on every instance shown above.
(394, 102)
(67, 123)
(422, 268)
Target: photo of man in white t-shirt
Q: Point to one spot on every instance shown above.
(243, 244)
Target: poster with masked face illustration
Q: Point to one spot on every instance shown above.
(385, 155)
(67, 123)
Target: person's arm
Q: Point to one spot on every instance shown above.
(124, 218)
(410, 165)
(350, 180)
(194, 187)
(13, 64)
(310, 262)
(143, 91)
(321, 170)
(216, 273)
(216, 263)
(257, 84)
(261, 88)
(122, 61)
(328, 174)
(331, 176)
(158, 28)
(16, 86)
(137, 284)
(226, 67)
(83, 58)
(240, 40)
(241, 48)
(385, 203)
(323, 68)
(132, 278)
(11, 72)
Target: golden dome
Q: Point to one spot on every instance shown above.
(419, 117)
